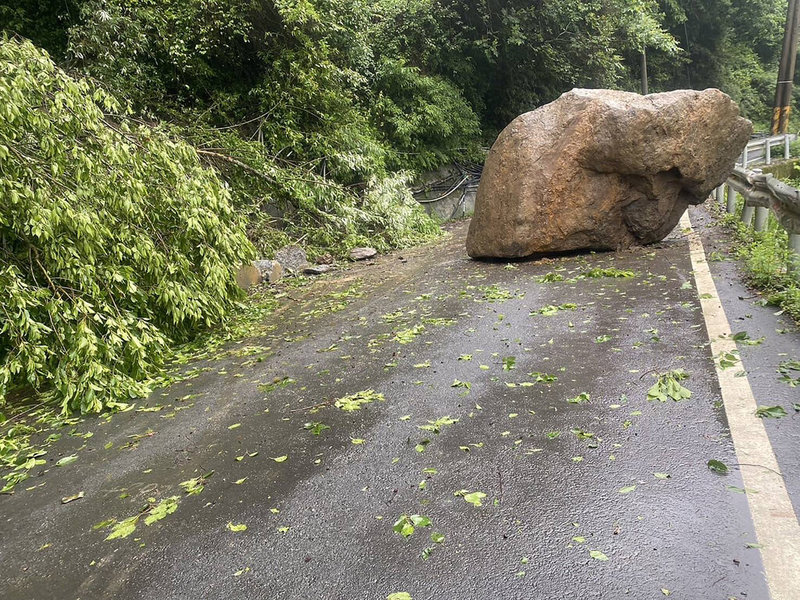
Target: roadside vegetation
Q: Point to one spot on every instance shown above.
(767, 261)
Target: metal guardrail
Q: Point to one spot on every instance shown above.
(763, 193)
(759, 151)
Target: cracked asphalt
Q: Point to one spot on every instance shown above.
(606, 498)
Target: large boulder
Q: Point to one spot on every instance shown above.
(602, 169)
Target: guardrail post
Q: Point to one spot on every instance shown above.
(768, 151)
(786, 146)
(731, 207)
(747, 214)
(744, 158)
(762, 214)
(794, 256)
(720, 194)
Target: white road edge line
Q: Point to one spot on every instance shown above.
(773, 516)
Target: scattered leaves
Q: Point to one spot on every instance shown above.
(358, 400)
(196, 484)
(786, 369)
(407, 524)
(668, 385)
(124, 528)
(551, 309)
(167, 506)
(581, 398)
(436, 426)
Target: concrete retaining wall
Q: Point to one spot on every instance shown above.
(449, 193)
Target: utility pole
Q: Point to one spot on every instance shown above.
(783, 92)
(644, 71)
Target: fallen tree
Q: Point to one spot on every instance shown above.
(115, 241)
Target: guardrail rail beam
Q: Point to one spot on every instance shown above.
(762, 193)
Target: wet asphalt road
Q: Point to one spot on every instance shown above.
(558, 477)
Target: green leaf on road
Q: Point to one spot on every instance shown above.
(437, 425)
(627, 489)
(124, 528)
(581, 398)
(597, 555)
(718, 466)
(315, 427)
(238, 527)
(668, 386)
(772, 412)
(744, 338)
(167, 506)
(356, 401)
(406, 524)
(475, 498)
(787, 369)
(582, 434)
(728, 359)
(67, 460)
(613, 272)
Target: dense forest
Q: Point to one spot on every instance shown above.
(213, 131)
(316, 107)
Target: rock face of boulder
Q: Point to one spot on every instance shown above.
(602, 169)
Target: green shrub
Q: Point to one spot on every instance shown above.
(114, 240)
(289, 202)
(425, 119)
(768, 261)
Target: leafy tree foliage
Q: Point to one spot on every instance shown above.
(295, 92)
(733, 45)
(114, 239)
